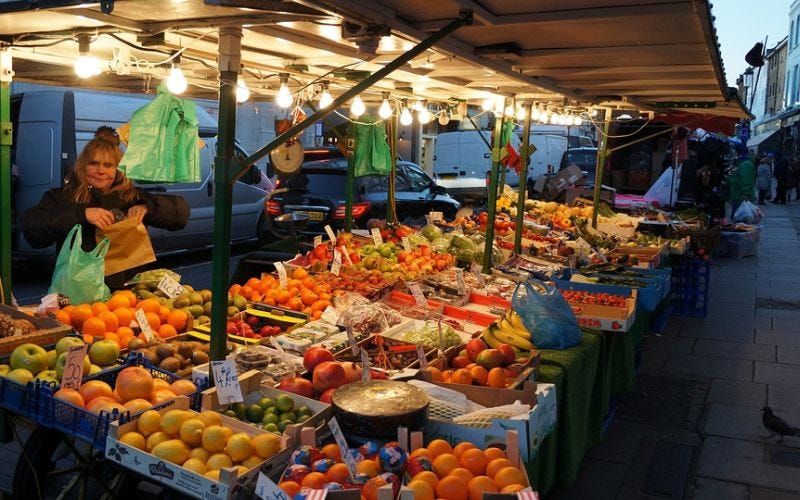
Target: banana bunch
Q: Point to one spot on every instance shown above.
(509, 329)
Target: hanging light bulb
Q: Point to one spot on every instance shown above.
(242, 92)
(423, 115)
(593, 113)
(443, 118)
(509, 112)
(385, 110)
(487, 104)
(86, 66)
(405, 117)
(284, 98)
(176, 82)
(521, 113)
(499, 101)
(535, 113)
(357, 107)
(577, 120)
(325, 98)
(544, 117)
(554, 118)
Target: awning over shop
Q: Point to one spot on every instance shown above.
(709, 123)
(762, 139)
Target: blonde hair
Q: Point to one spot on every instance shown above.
(105, 142)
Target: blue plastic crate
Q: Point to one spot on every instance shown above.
(691, 282)
(92, 428)
(20, 399)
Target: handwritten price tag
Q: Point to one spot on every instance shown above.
(423, 361)
(376, 236)
(435, 216)
(352, 340)
(144, 325)
(268, 490)
(317, 240)
(343, 251)
(349, 461)
(336, 265)
(476, 270)
(170, 287)
(406, 244)
(284, 279)
(364, 365)
(226, 381)
(330, 315)
(419, 297)
(460, 281)
(73, 367)
(331, 236)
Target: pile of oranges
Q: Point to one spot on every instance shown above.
(302, 292)
(115, 318)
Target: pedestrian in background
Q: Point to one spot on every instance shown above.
(763, 180)
(793, 179)
(781, 173)
(742, 184)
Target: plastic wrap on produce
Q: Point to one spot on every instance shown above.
(370, 318)
(537, 268)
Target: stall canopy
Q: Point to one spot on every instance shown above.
(645, 54)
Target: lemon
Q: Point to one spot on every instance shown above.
(266, 445)
(155, 439)
(172, 420)
(192, 431)
(239, 447)
(251, 462)
(200, 453)
(213, 474)
(195, 465)
(172, 450)
(210, 417)
(134, 439)
(218, 461)
(149, 422)
(214, 438)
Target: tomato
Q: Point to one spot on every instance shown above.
(321, 252)
(483, 218)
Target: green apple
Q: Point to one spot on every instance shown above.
(94, 369)
(4, 369)
(48, 376)
(20, 375)
(51, 359)
(62, 360)
(64, 344)
(29, 356)
(104, 352)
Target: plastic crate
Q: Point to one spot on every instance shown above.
(691, 281)
(77, 422)
(21, 399)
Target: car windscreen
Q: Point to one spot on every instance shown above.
(323, 183)
(581, 158)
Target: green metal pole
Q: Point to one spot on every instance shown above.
(224, 165)
(602, 154)
(391, 135)
(5, 183)
(348, 196)
(523, 175)
(492, 201)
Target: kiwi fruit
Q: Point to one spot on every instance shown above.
(199, 358)
(185, 349)
(165, 351)
(170, 364)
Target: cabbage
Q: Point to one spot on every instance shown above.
(462, 242)
(431, 232)
(440, 245)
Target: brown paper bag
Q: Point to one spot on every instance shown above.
(130, 246)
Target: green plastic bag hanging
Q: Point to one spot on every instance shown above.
(372, 155)
(163, 145)
(80, 275)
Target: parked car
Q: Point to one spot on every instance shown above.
(318, 191)
(584, 158)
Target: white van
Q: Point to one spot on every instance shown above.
(577, 137)
(50, 129)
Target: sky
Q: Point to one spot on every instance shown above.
(742, 23)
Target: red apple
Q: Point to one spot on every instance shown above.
(509, 355)
(490, 358)
(314, 356)
(474, 347)
(297, 385)
(328, 374)
(459, 362)
(352, 371)
(327, 396)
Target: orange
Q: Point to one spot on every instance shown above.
(462, 473)
(452, 488)
(133, 439)
(95, 327)
(428, 476)
(509, 475)
(435, 373)
(150, 305)
(128, 294)
(461, 376)
(104, 403)
(461, 448)
(70, 396)
(63, 316)
(479, 374)
(368, 467)
(314, 480)
(495, 465)
(116, 301)
(513, 488)
(68, 309)
(421, 489)
(134, 382)
(338, 473)
(87, 339)
(110, 319)
(438, 446)
(94, 389)
(474, 461)
(299, 273)
(443, 464)
(166, 331)
(137, 405)
(124, 316)
(447, 376)
(496, 378)
(183, 387)
(99, 307)
(479, 485)
(493, 452)
(370, 488)
(423, 452)
(291, 488)
(179, 319)
(112, 336)
(79, 314)
(331, 450)
(163, 313)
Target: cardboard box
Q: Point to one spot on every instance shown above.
(176, 477)
(48, 331)
(609, 318)
(607, 194)
(531, 429)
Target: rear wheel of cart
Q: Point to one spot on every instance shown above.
(53, 465)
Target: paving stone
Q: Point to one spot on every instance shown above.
(777, 313)
(737, 350)
(779, 338)
(720, 307)
(621, 442)
(668, 344)
(730, 333)
(743, 462)
(592, 474)
(713, 489)
(786, 325)
(789, 355)
(757, 493)
(710, 367)
(775, 373)
(736, 392)
(783, 398)
(738, 422)
(736, 321)
(653, 362)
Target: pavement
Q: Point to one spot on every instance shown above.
(692, 429)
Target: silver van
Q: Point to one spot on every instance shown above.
(50, 129)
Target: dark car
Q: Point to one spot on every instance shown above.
(318, 190)
(584, 158)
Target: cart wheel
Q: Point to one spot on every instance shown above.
(52, 465)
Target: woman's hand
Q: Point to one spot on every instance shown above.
(100, 217)
(137, 211)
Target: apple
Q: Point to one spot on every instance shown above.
(4, 369)
(509, 354)
(328, 374)
(352, 371)
(20, 375)
(474, 347)
(490, 358)
(327, 396)
(314, 356)
(297, 385)
(29, 356)
(103, 352)
(94, 369)
(48, 376)
(62, 360)
(459, 362)
(51, 359)
(64, 344)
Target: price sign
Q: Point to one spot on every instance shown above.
(73, 367)
(435, 216)
(343, 251)
(317, 240)
(349, 461)
(364, 365)
(376, 236)
(284, 279)
(352, 340)
(226, 381)
(460, 281)
(330, 315)
(419, 297)
(144, 325)
(170, 287)
(336, 265)
(329, 230)
(268, 490)
(406, 244)
(423, 361)
(476, 270)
